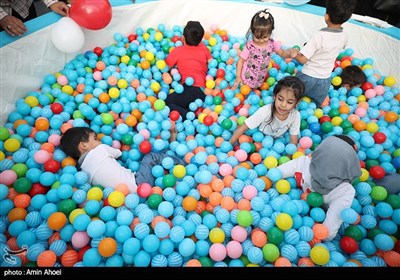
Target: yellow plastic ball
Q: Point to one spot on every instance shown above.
(252, 265)
(125, 59)
(161, 64)
(389, 81)
(366, 66)
(12, 144)
(116, 198)
(336, 81)
(284, 221)
(67, 89)
(149, 56)
(155, 86)
(146, 36)
(270, 162)
(113, 92)
(306, 99)
(216, 235)
(320, 255)
(336, 121)
(361, 98)
(158, 36)
(2, 156)
(318, 113)
(179, 171)
(364, 175)
(297, 154)
(218, 109)
(75, 213)
(32, 101)
(95, 193)
(210, 84)
(122, 83)
(283, 186)
(201, 117)
(372, 127)
(212, 41)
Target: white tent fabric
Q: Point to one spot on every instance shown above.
(25, 62)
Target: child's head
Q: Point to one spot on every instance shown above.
(340, 11)
(193, 33)
(353, 76)
(287, 94)
(78, 140)
(261, 25)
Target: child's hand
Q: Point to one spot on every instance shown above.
(294, 52)
(237, 82)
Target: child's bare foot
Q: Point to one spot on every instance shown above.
(173, 132)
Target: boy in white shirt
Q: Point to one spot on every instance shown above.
(99, 160)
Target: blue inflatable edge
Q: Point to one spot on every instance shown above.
(51, 17)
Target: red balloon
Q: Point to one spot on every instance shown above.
(379, 137)
(377, 172)
(348, 244)
(145, 147)
(91, 14)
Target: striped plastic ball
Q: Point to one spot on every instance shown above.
(162, 229)
(46, 259)
(58, 247)
(159, 260)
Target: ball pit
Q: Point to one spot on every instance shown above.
(229, 205)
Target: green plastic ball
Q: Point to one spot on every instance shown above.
(394, 201)
(244, 260)
(4, 133)
(283, 159)
(315, 199)
(154, 200)
(270, 252)
(22, 185)
(303, 124)
(20, 169)
(275, 236)
(327, 127)
(374, 232)
(217, 100)
(334, 113)
(77, 115)
(371, 162)
(226, 124)
(66, 206)
(354, 231)
(204, 213)
(346, 124)
(169, 181)
(379, 193)
(244, 218)
(127, 139)
(206, 261)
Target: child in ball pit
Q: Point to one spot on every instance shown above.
(99, 160)
(191, 59)
(352, 76)
(329, 170)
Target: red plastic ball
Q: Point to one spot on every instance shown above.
(98, 51)
(377, 172)
(57, 108)
(221, 94)
(324, 119)
(144, 190)
(225, 38)
(82, 251)
(397, 246)
(366, 86)
(208, 120)
(52, 166)
(105, 202)
(198, 111)
(220, 73)
(237, 108)
(362, 164)
(348, 244)
(379, 137)
(175, 39)
(174, 115)
(132, 37)
(145, 147)
(37, 188)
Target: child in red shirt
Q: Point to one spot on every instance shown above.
(191, 59)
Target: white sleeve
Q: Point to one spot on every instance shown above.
(311, 47)
(289, 168)
(115, 153)
(258, 117)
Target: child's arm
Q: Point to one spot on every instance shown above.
(301, 58)
(239, 132)
(289, 168)
(289, 53)
(115, 153)
(294, 139)
(239, 67)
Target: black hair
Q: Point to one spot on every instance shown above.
(340, 11)
(348, 140)
(72, 137)
(262, 23)
(193, 33)
(353, 75)
(291, 83)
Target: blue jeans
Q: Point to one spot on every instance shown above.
(315, 88)
(143, 175)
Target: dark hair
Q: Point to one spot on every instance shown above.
(72, 137)
(340, 11)
(261, 23)
(292, 83)
(353, 75)
(193, 33)
(348, 140)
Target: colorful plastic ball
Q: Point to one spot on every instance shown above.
(383, 242)
(377, 172)
(154, 200)
(22, 185)
(144, 190)
(4, 133)
(116, 198)
(283, 186)
(107, 247)
(145, 147)
(270, 252)
(389, 81)
(315, 199)
(169, 180)
(8, 177)
(275, 235)
(95, 193)
(270, 162)
(46, 259)
(379, 193)
(348, 244)
(56, 220)
(284, 221)
(12, 145)
(217, 252)
(320, 255)
(80, 239)
(379, 137)
(217, 235)
(305, 142)
(244, 218)
(234, 249)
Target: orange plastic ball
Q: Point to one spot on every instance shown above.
(360, 125)
(46, 259)
(107, 247)
(69, 258)
(57, 221)
(245, 89)
(104, 97)
(17, 214)
(215, 198)
(391, 116)
(42, 123)
(22, 200)
(189, 203)
(228, 203)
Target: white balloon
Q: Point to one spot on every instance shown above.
(67, 36)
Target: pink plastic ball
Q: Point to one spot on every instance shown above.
(305, 142)
(243, 112)
(41, 156)
(370, 93)
(116, 144)
(217, 252)
(225, 47)
(8, 177)
(238, 233)
(145, 133)
(62, 80)
(213, 27)
(80, 239)
(97, 76)
(241, 155)
(249, 192)
(174, 71)
(236, 46)
(234, 249)
(225, 169)
(209, 77)
(361, 112)
(54, 139)
(144, 190)
(380, 90)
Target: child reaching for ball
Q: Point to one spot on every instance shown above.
(252, 66)
(99, 160)
(281, 115)
(329, 170)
